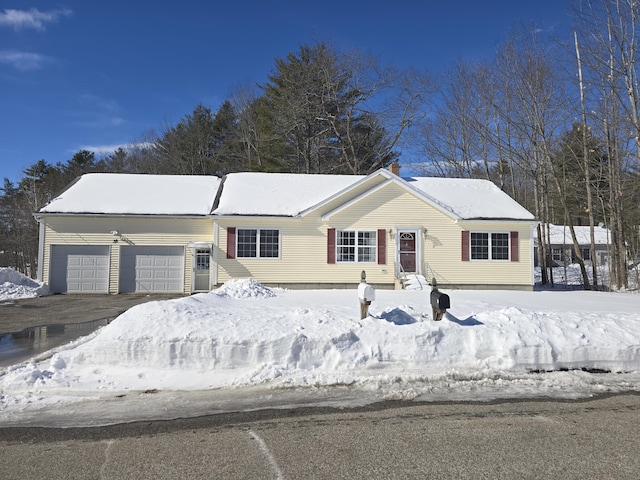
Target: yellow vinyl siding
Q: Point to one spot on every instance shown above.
(497, 272)
(114, 269)
(303, 252)
(303, 242)
(303, 245)
(140, 231)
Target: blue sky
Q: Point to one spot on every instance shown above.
(96, 75)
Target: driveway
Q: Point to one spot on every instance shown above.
(16, 315)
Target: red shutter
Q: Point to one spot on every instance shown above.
(382, 246)
(231, 242)
(515, 254)
(331, 245)
(465, 245)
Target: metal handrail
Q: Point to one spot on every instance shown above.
(399, 273)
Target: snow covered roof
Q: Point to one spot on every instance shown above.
(116, 193)
(561, 235)
(268, 194)
(279, 194)
(470, 199)
(286, 194)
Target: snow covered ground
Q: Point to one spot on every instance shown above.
(245, 346)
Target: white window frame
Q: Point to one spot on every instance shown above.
(258, 254)
(489, 246)
(373, 249)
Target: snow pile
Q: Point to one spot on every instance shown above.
(313, 346)
(245, 288)
(15, 285)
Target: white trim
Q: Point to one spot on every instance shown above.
(384, 172)
(428, 199)
(533, 232)
(489, 246)
(124, 215)
(194, 247)
(418, 233)
(357, 245)
(216, 247)
(257, 229)
(200, 245)
(41, 230)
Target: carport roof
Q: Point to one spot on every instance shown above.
(134, 194)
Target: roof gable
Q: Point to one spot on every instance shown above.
(460, 199)
(135, 194)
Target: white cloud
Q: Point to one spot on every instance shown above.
(32, 18)
(23, 61)
(105, 149)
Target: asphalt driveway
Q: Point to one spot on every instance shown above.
(16, 315)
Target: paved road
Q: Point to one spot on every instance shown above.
(16, 315)
(520, 440)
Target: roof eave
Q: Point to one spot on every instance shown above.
(38, 215)
(497, 219)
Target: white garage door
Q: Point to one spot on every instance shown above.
(79, 269)
(151, 269)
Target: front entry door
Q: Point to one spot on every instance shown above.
(408, 251)
(202, 260)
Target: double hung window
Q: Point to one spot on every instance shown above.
(258, 243)
(356, 246)
(489, 246)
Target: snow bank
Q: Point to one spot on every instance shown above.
(15, 285)
(246, 336)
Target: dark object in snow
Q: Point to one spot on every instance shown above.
(439, 301)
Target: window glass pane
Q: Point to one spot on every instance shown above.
(247, 240)
(346, 238)
(345, 242)
(350, 242)
(269, 243)
(202, 259)
(367, 246)
(366, 238)
(479, 246)
(366, 254)
(500, 246)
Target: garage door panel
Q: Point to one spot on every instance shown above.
(79, 269)
(152, 269)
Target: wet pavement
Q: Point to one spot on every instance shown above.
(16, 315)
(30, 326)
(596, 438)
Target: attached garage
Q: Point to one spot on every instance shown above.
(151, 269)
(79, 269)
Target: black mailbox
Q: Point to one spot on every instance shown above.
(440, 300)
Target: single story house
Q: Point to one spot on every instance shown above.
(116, 233)
(561, 244)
